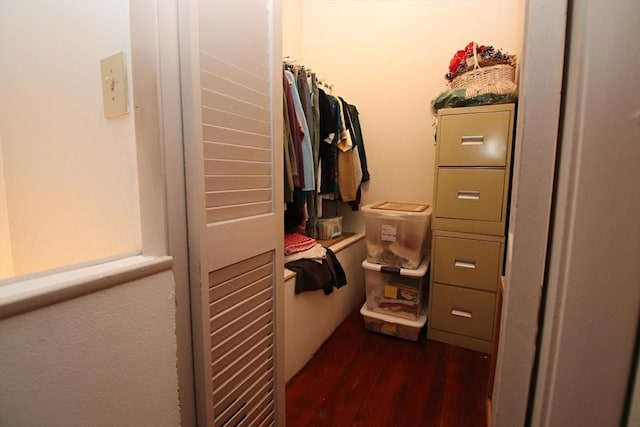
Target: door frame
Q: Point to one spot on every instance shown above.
(548, 372)
(154, 42)
(588, 333)
(537, 127)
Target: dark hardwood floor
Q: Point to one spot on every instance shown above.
(361, 378)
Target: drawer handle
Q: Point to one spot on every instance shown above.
(461, 313)
(465, 264)
(472, 140)
(469, 194)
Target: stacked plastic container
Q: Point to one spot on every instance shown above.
(397, 236)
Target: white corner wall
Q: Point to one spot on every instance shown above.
(6, 256)
(70, 174)
(104, 359)
(292, 30)
(389, 59)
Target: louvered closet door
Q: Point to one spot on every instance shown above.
(230, 66)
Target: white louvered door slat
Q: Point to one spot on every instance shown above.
(238, 152)
(231, 53)
(232, 136)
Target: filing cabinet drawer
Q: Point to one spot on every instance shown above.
(466, 262)
(462, 311)
(474, 194)
(478, 139)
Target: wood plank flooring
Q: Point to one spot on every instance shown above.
(361, 378)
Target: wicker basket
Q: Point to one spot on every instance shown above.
(484, 76)
(481, 76)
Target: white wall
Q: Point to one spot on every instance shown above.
(70, 174)
(6, 256)
(321, 314)
(104, 359)
(292, 14)
(389, 59)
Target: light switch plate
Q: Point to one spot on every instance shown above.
(114, 86)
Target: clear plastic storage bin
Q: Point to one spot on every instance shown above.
(395, 326)
(398, 292)
(329, 228)
(397, 233)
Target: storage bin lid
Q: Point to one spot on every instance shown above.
(403, 208)
(394, 319)
(418, 272)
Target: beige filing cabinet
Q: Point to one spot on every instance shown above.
(471, 191)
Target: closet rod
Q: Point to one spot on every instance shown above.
(290, 63)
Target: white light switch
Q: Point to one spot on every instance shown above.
(114, 86)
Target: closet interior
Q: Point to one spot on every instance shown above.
(391, 60)
(391, 63)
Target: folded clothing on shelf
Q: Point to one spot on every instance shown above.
(296, 242)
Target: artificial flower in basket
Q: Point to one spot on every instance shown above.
(481, 70)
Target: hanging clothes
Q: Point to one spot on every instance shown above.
(349, 170)
(295, 134)
(290, 167)
(324, 148)
(307, 177)
(358, 140)
(359, 143)
(327, 124)
(329, 152)
(309, 82)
